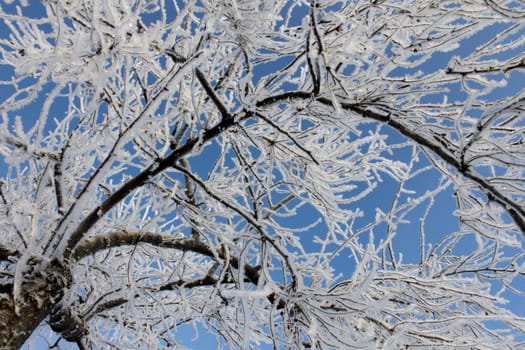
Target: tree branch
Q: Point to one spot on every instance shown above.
(140, 179)
(137, 181)
(515, 210)
(124, 238)
(287, 134)
(211, 93)
(253, 222)
(200, 282)
(6, 288)
(497, 66)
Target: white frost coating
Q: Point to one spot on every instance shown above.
(256, 294)
(28, 272)
(381, 211)
(18, 279)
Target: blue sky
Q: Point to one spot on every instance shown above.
(440, 217)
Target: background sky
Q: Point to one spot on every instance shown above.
(440, 219)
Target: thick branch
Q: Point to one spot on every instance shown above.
(496, 66)
(66, 246)
(21, 315)
(123, 238)
(140, 179)
(516, 211)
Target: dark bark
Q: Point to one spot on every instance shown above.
(15, 327)
(151, 171)
(21, 314)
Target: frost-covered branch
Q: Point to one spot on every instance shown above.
(515, 210)
(126, 238)
(337, 174)
(139, 180)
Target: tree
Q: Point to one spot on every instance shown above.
(219, 163)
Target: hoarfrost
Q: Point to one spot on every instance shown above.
(338, 174)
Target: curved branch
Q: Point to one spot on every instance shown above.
(515, 210)
(140, 179)
(97, 213)
(124, 238)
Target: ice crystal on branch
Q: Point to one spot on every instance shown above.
(281, 174)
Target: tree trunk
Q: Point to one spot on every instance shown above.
(17, 325)
(21, 314)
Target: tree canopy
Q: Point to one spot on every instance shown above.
(290, 174)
